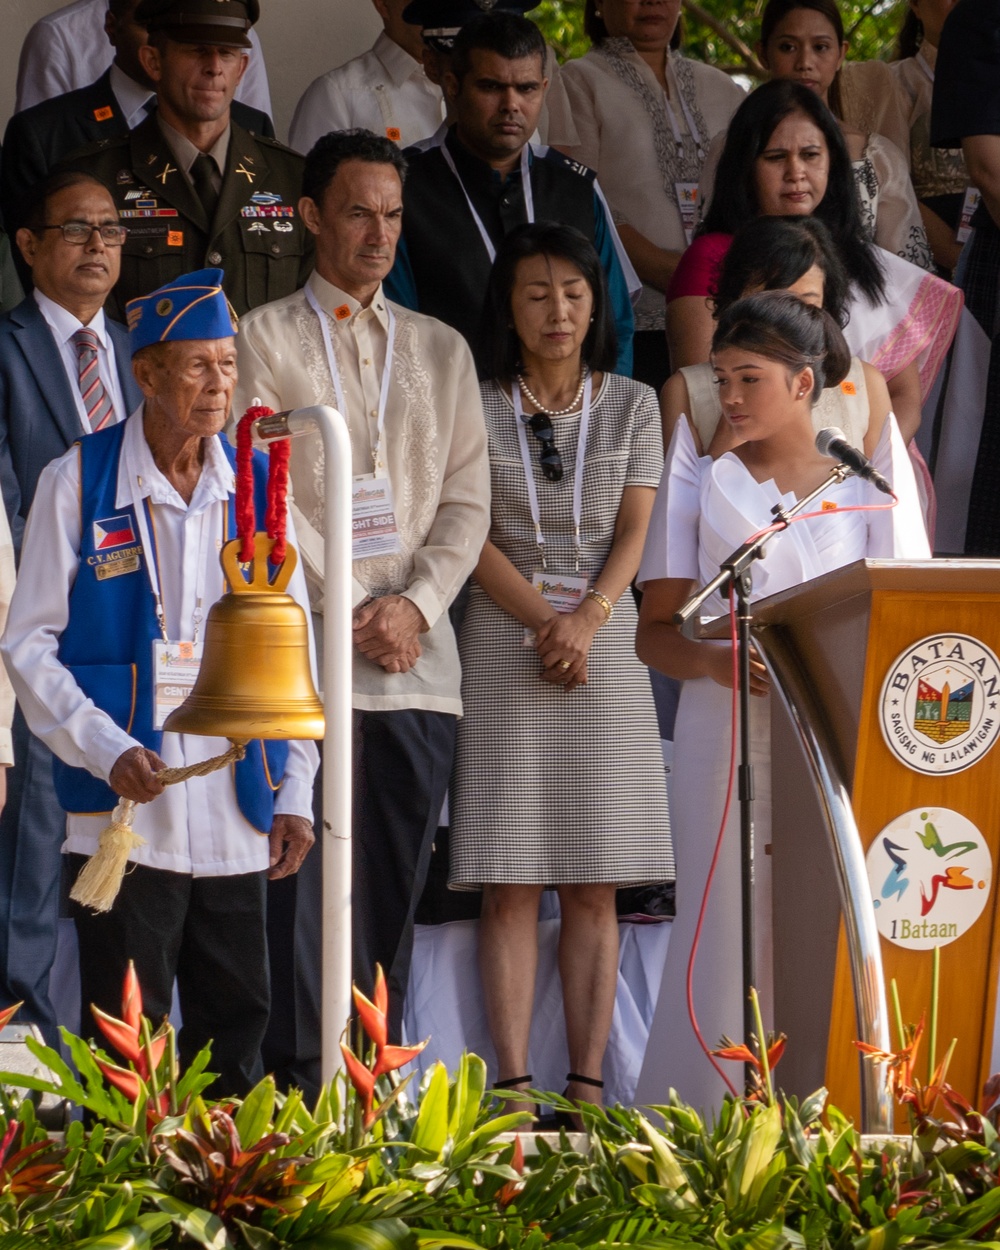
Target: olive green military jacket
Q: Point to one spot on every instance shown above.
(257, 236)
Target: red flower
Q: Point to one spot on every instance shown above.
(125, 1035)
(389, 1058)
(373, 1014)
(374, 1018)
(362, 1080)
(743, 1054)
(123, 1080)
(8, 1013)
(509, 1191)
(132, 999)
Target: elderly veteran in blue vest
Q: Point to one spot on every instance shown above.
(121, 551)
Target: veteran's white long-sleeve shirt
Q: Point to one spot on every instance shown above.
(195, 827)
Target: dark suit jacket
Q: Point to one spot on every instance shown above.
(255, 235)
(38, 413)
(38, 138)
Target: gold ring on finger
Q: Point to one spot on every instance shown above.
(564, 664)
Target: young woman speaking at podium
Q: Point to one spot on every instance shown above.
(772, 354)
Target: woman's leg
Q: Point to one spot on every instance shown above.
(588, 966)
(508, 959)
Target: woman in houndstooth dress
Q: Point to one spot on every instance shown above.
(559, 776)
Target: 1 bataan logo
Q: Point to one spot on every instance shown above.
(940, 704)
(930, 873)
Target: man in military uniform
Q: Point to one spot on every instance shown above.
(123, 97)
(193, 186)
(464, 195)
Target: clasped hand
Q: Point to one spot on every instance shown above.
(566, 637)
(386, 631)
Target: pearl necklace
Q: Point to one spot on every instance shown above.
(554, 412)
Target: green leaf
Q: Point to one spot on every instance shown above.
(19, 1241)
(253, 1119)
(375, 1235)
(195, 1078)
(258, 1238)
(761, 1134)
(284, 1123)
(467, 1096)
(440, 1241)
(201, 1226)
(668, 1171)
(431, 1129)
(137, 1235)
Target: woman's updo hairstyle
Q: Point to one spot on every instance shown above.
(776, 11)
(779, 327)
(771, 253)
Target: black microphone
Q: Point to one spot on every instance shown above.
(833, 442)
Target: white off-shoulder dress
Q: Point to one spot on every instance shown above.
(704, 509)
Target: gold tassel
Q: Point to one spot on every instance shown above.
(100, 879)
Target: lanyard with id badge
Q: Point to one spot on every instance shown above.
(564, 591)
(529, 198)
(686, 193)
(175, 664)
(373, 509)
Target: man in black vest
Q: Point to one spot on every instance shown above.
(465, 194)
(39, 137)
(194, 187)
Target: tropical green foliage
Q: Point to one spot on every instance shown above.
(715, 31)
(375, 1166)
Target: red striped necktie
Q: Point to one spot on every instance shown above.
(96, 400)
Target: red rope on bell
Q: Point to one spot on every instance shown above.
(277, 498)
(276, 521)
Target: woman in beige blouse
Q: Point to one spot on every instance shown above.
(645, 116)
(940, 178)
(804, 40)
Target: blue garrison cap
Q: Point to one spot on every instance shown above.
(193, 306)
(441, 20)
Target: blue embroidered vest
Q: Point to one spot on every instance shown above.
(108, 642)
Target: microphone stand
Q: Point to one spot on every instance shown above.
(735, 571)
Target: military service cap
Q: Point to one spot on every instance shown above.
(193, 306)
(441, 20)
(222, 22)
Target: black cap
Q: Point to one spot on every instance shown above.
(222, 22)
(441, 20)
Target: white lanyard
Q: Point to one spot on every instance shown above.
(529, 473)
(201, 576)
(529, 199)
(331, 361)
(691, 124)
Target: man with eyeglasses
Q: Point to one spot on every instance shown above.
(64, 372)
(194, 187)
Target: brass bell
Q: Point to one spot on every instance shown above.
(255, 680)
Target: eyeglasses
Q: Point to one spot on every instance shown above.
(549, 457)
(79, 232)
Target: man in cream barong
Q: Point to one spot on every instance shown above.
(406, 385)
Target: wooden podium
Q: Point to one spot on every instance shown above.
(886, 712)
